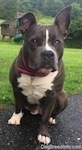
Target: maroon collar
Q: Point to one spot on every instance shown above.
(29, 71)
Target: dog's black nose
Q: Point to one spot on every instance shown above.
(48, 55)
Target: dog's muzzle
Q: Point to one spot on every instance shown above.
(49, 60)
(48, 55)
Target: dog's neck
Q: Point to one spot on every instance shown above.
(29, 71)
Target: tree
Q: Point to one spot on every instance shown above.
(68, 2)
(8, 9)
(30, 5)
(24, 5)
(77, 11)
(76, 23)
(51, 8)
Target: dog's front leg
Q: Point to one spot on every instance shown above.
(47, 108)
(18, 114)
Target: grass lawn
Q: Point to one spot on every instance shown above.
(73, 66)
(45, 19)
(1, 20)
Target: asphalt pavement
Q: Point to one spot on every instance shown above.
(65, 135)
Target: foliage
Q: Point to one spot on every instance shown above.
(68, 2)
(9, 9)
(51, 8)
(74, 42)
(76, 28)
(76, 23)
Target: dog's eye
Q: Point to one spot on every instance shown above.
(34, 41)
(57, 42)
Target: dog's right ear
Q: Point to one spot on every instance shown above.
(62, 20)
(25, 20)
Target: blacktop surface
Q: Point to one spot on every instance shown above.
(65, 135)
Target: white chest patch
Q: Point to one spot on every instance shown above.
(35, 87)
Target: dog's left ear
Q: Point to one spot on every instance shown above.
(62, 20)
(25, 20)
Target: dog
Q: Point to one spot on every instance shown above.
(37, 74)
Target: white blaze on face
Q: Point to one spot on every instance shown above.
(47, 36)
(47, 46)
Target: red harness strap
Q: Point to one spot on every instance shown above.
(29, 71)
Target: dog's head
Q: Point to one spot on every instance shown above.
(43, 44)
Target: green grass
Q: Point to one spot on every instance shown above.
(73, 66)
(8, 51)
(46, 20)
(1, 20)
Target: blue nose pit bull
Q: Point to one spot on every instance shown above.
(37, 74)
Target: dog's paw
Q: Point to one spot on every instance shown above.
(52, 121)
(44, 139)
(15, 119)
